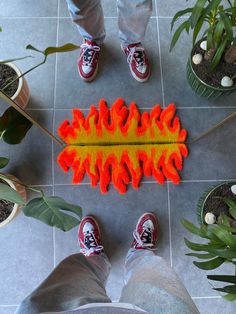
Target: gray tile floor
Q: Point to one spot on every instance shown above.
(31, 250)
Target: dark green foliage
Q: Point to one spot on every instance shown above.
(218, 22)
(13, 126)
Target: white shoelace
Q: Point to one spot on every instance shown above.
(88, 52)
(94, 247)
(131, 55)
(141, 243)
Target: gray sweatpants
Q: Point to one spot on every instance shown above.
(150, 284)
(133, 17)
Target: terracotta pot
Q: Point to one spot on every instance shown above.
(21, 96)
(21, 190)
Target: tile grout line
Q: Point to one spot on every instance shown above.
(160, 61)
(170, 240)
(53, 130)
(141, 108)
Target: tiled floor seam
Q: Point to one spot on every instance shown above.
(160, 61)
(169, 217)
(54, 107)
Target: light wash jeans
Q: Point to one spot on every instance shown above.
(133, 17)
(150, 284)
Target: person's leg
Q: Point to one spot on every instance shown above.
(149, 282)
(88, 16)
(79, 279)
(133, 18)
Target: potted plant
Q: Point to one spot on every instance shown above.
(211, 67)
(53, 210)
(13, 124)
(217, 217)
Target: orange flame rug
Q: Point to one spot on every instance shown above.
(121, 145)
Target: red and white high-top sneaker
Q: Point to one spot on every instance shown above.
(89, 236)
(146, 232)
(138, 61)
(88, 60)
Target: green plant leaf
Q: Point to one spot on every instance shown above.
(13, 126)
(50, 210)
(179, 14)
(228, 25)
(15, 59)
(201, 232)
(197, 29)
(227, 289)
(218, 33)
(218, 54)
(201, 256)
(224, 278)
(184, 26)
(3, 162)
(201, 247)
(230, 297)
(210, 43)
(213, 5)
(211, 264)
(232, 206)
(229, 254)
(64, 48)
(224, 235)
(30, 47)
(7, 193)
(197, 11)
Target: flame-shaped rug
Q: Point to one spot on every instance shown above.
(122, 145)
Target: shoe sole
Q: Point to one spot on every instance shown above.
(138, 79)
(91, 78)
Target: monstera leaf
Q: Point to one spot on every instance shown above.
(13, 126)
(51, 210)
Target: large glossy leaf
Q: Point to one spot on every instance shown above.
(13, 126)
(3, 162)
(230, 297)
(51, 210)
(211, 264)
(197, 11)
(7, 193)
(184, 26)
(223, 278)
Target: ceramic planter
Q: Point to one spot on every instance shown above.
(203, 89)
(203, 199)
(16, 209)
(21, 96)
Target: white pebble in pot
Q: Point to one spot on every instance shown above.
(203, 45)
(226, 82)
(210, 218)
(233, 189)
(197, 58)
